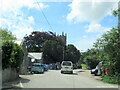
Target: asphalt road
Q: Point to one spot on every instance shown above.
(54, 79)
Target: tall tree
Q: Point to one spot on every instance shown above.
(5, 35)
(52, 52)
(71, 53)
(36, 39)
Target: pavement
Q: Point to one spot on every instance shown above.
(54, 79)
(11, 84)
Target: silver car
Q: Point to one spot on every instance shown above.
(67, 66)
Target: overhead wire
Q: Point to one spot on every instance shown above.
(44, 15)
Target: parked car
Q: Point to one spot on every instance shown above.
(46, 67)
(94, 71)
(98, 70)
(52, 66)
(67, 66)
(58, 66)
(74, 66)
(37, 68)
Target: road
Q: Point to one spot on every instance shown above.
(54, 79)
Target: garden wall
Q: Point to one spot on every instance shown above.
(9, 74)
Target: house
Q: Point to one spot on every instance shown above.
(35, 57)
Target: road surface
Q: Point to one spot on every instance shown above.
(54, 79)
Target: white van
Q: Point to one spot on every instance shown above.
(67, 66)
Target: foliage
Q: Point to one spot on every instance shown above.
(110, 79)
(12, 55)
(5, 35)
(115, 12)
(91, 58)
(71, 53)
(110, 43)
(84, 66)
(35, 41)
(52, 51)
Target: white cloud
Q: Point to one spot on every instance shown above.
(90, 11)
(93, 27)
(11, 5)
(31, 19)
(22, 31)
(85, 43)
(14, 19)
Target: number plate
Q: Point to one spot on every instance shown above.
(35, 68)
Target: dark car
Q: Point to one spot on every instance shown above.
(53, 66)
(58, 66)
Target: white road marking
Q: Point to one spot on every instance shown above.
(21, 84)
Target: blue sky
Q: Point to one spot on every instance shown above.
(83, 22)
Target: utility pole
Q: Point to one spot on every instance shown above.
(63, 53)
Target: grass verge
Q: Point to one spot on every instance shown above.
(110, 79)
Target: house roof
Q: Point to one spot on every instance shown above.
(35, 55)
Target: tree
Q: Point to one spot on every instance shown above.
(5, 35)
(109, 45)
(35, 41)
(91, 58)
(12, 55)
(52, 51)
(71, 53)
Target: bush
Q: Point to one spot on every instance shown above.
(110, 79)
(12, 55)
(84, 66)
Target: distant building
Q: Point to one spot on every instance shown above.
(63, 37)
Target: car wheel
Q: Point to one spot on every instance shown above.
(71, 72)
(61, 71)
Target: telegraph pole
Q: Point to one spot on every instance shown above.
(63, 53)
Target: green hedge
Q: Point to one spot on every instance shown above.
(111, 79)
(12, 55)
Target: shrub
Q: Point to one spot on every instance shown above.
(12, 55)
(110, 79)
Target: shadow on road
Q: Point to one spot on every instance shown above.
(24, 80)
(71, 74)
(11, 85)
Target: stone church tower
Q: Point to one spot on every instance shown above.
(64, 38)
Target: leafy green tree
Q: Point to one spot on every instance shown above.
(12, 55)
(5, 35)
(36, 39)
(72, 54)
(52, 51)
(91, 58)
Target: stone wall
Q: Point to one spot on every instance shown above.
(9, 74)
(0, 79)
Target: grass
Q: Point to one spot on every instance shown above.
(110, 79)
(84, 66)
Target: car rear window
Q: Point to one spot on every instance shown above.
(66, 64)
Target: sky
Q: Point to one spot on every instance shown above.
(83, 21)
